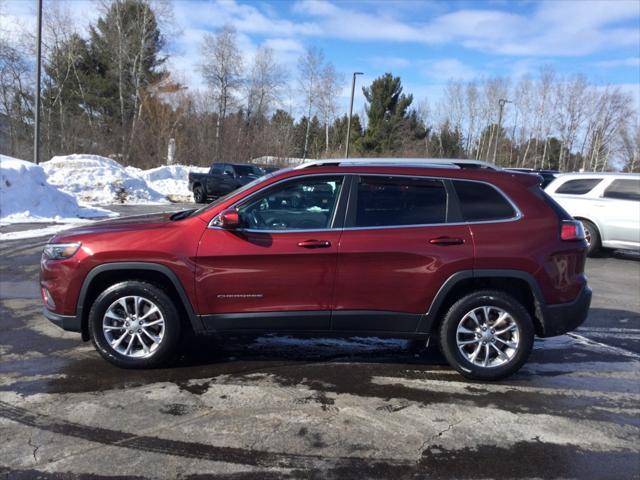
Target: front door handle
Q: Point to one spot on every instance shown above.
(446, 241)
(315, 244)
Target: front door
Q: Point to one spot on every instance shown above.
(277, 271)
(395, 253)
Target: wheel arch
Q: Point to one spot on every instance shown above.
(108, 274)
(517, 283)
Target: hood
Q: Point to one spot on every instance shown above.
(137, 222)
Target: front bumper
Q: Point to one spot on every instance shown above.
(70, 323)
(565, 317)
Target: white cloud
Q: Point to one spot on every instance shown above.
(619, 62)
(449, 69)
(556, 28)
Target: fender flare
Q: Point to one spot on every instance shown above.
(195, 320)
(429, 318)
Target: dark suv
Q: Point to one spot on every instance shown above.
(478, 258)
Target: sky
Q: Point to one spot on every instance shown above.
(426, 43)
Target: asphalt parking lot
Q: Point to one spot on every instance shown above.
(277, 407)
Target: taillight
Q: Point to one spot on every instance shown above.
(571, 230)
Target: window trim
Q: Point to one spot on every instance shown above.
(338, 214)
(345, 208)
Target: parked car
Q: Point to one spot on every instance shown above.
(607, 204)
(221, 179)
(546, 176)
(479, 259)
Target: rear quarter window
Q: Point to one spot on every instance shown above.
(623, 189)
(579, 186)
(480, 202)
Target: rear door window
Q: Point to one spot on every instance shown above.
(624, 189)
(480, 202)
(579, 186)
(394, 201)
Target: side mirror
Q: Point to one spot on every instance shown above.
(229, 219)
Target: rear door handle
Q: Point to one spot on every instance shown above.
(446, 241)
(315, 244)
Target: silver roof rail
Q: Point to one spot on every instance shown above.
(399, 162)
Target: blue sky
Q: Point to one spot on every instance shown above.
(426, 43)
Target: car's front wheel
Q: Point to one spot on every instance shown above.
(487, 335)
(134, 324)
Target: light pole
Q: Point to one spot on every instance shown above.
(501, 102)
(353, 90)
(36, 123)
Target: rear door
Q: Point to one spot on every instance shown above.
(398, 247)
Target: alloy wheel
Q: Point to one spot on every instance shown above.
(133, 326)
(488, 336)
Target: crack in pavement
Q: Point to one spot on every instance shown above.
(437, 435)
(35, 448)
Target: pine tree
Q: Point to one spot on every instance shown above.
(389, 117)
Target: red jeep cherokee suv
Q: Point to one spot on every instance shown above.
(479, 258)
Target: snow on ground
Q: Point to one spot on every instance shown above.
(26, 196)
(170, 180)
(36, 233)
(96, 180)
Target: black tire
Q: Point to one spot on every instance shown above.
(199, 195)
(503, 301)
(593, 238)
(171, 335)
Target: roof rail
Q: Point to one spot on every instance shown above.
(399, 162)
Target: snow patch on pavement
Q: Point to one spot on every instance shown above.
(36, 232)
(96, 180)
(27, 197)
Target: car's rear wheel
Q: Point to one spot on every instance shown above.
(592, 236)
(199, 195)
(134, 324)
(487, 335)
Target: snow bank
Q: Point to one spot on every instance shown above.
(170, 180)
(96, 180)
(26, 196)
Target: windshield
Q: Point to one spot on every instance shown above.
(246, 170)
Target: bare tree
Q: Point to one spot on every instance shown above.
(310, 68)
(222, 69)
(264, 83)
(328, 91)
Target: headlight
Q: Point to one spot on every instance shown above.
(60, 251)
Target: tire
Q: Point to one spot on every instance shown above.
(594, 243)
(498, 366)
(164, 325)
(199, 195)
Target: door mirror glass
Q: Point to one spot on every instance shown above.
(228, 219)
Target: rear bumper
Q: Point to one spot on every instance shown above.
(70, 323)
(562, 318)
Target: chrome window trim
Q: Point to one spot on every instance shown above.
(519, 215)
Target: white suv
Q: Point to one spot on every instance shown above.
(608, 204)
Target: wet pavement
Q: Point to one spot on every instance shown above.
(280, 407)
